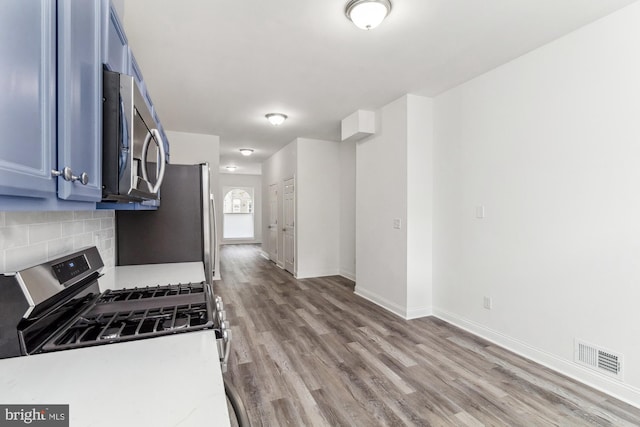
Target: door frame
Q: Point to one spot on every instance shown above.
(294, 264)
(273, 252)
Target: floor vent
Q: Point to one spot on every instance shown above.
(599, 359)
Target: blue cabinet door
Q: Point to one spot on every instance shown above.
(80, 98)
(115, 51)
(28, 100)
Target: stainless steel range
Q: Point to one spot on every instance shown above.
(57, 305)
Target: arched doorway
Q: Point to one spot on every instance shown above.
(238, 214)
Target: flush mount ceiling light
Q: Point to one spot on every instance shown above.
(246, 151)
(276, 119)
(367, 14)
(231, 168)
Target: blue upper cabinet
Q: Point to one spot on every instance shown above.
(137, 74)
(28, 101)
(115, 51)
(52, 53)
(50, 111)
(80, 99)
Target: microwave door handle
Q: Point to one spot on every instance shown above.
(145, 147)
(163, 157)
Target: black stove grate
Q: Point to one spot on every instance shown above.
(125, 325)
(151, 292)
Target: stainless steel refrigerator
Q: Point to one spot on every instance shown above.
(181, 230)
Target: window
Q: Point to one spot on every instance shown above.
(238, 200)
(238, 214)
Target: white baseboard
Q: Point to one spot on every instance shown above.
(348, 275)
(617, 389)
(417, 312)
(240, 242)
(265, 255)
(404, 312)
(318, 273)
(381, 301)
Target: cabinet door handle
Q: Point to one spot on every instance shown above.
(84, 178)
(67, 175)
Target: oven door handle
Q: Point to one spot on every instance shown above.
(157, 139)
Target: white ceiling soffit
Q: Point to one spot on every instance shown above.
(218, 66)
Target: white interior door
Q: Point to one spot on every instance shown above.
(272, 246)
(289, 225)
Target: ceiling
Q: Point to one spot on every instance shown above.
(218, 66)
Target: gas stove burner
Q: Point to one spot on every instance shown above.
(179, 324)
(110, 334)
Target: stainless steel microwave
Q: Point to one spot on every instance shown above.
(133, 155)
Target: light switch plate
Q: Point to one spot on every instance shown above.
(488, 303)
(479, 212)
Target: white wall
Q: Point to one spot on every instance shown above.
(394, 182)
(318, 171)
(254, 181)
(193, 148)
(317, 208)
(549, 144)
(347, 236)
(28, 238)
(419, 224)
(381, 196)
(277, 168)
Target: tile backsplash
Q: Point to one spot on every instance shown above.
(28, 238)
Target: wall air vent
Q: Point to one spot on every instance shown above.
(598, 359)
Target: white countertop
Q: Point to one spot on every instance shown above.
(130, 276)
(171, 380)
(166, 381)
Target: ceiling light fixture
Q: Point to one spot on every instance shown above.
(231, 168)
(276, 119)
(367, 14)
(246, 151)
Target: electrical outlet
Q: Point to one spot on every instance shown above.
(397, 223)
(488, 303)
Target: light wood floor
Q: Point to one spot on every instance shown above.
(311, 353)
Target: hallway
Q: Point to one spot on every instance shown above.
(312, 353)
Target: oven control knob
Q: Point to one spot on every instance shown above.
(224, 325)
(224, 359)
(219, 304)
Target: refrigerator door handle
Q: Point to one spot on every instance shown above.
(214, 238)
